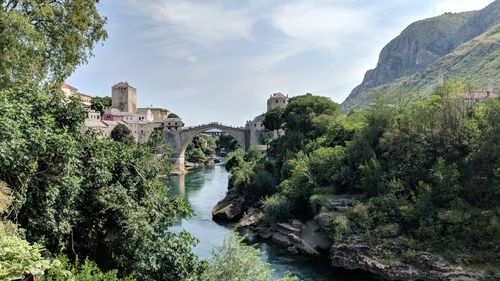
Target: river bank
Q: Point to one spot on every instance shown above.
(384, 254)
(203, 188)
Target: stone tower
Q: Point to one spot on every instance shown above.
(124, 97)
(277, 100)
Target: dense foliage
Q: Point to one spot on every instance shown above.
(76, 193)
(46, 40)
(431, 166)
(200, 148)
(99, 104)
(122, 133)
(251, 175)
(236, 261)
(226, 143)
(83, 195)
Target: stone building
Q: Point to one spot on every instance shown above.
(173, 123)
(141, 122)
(277, 100)
(124, 97)
(256, 129)
(70, 91)
(159, 113)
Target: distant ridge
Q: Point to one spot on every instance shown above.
(465, 45)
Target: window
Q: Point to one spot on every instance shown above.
(276, 101)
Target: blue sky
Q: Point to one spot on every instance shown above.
(220, 60)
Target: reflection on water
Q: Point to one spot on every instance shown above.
(203, 188)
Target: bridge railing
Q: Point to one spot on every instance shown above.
(212, 123)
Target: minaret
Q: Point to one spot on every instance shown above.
(440, 79)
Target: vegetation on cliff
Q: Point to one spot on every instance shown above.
(429, 167)
(464, 45)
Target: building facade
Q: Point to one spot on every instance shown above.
(277, 100)
(141, 122)
(124, 97)
(256, 130)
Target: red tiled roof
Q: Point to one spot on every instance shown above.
(478, 96)
(68, 86)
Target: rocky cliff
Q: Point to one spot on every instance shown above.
(461, 45)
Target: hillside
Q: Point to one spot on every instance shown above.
(464, 45)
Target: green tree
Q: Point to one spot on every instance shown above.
(122, 133)
(273, 119)
(46, 40)
(158, 143)
(301, 111)
(100, 104)
(227, 143)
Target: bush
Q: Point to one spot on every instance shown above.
(88, 271)
(235, 261)
(277, 208)
(339, 225)
(18, 257)
(122, 134)
(359, 218)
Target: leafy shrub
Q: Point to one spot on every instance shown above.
(277, 208)
(18, 257)
(86, 271)
(235, 261)
(359, 218)
(339, 226)
(317, 201)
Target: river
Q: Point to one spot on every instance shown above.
(203, 188)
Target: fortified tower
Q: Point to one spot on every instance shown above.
(277, 100)
(124, 97)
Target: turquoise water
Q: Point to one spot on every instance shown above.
(203, 188)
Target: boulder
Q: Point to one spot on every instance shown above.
(297, 224)
(311, 234)
(285, 228)
(302, 246)
(228, 209)
(249, 218)
(292, 250)
(355, 254)
(341, 203)
(280, 239)
(324, 220)
(264, 232)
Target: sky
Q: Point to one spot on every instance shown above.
(219, 60)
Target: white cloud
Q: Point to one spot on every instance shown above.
(321, 25)
(201, 22)
(456, 6)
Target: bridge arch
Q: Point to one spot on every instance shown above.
(181, 139)
(187, 135)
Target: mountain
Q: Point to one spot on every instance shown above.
(465, 45)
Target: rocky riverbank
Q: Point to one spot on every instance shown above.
(387, 258)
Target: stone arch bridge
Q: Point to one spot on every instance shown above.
(179, 140)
